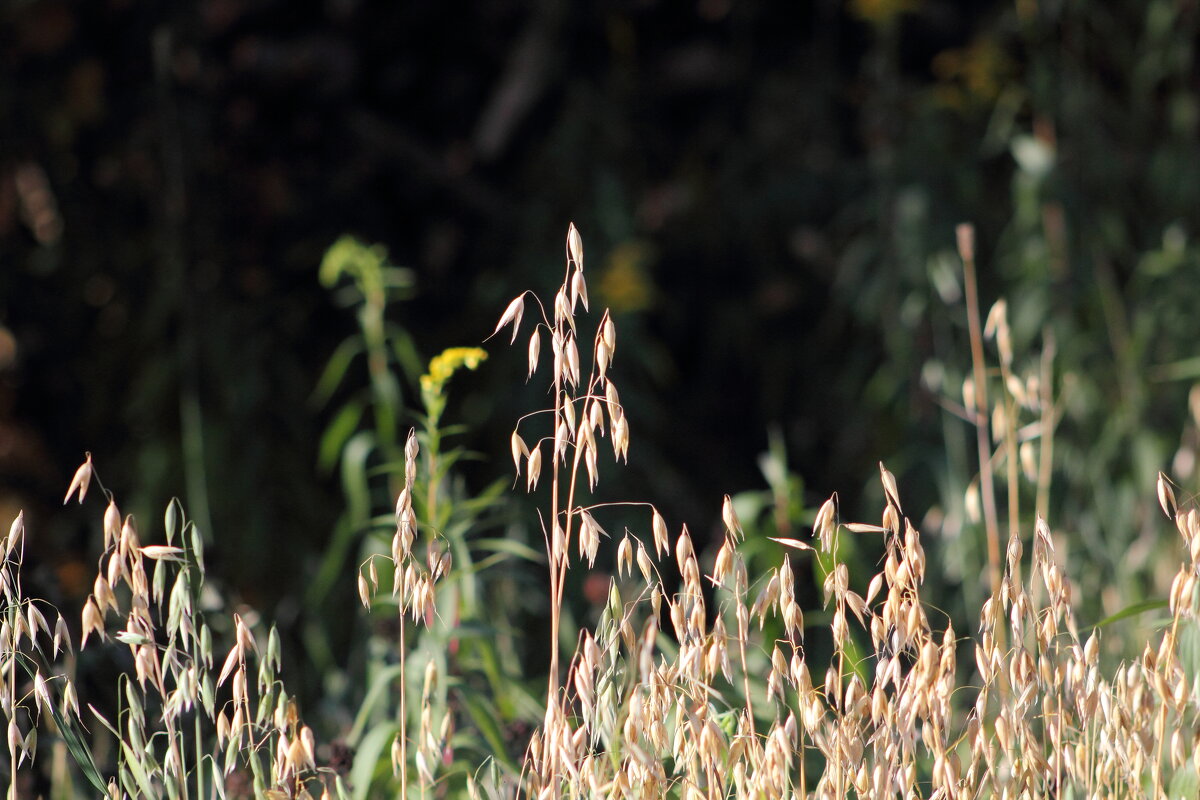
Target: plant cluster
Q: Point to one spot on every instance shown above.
(700, 678)
(663, 697)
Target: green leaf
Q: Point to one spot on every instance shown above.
(372, 750)
(1184, 785)
(103, 721)
(484, 715)
(1189, 652)
(133, 763)
(331, 568)
(335, 370)
(379, 686)
(405, 350)
(81, 754)
(354, 477)
(397, 278)
(337, 433)
(1132, 611)
(510, 547)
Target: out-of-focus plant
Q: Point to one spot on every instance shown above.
(683, 711)
(361, 276)
(443, 693)
(1083, 190)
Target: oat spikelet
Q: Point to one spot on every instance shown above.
(1166, 496)
(533, 468)
(15, 531)
(535, 350)
(889, 487)
(81, 481)
(659, 526)
(512, 314)
(730, 519)
(575, 246)
(519, 450)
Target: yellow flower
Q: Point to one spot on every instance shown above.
(971, 75)
(446, 363)
(623, 282)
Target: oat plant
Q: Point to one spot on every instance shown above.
(697, 680)
(435, 684)
(190, 725)
(35, 688)
(661, 698)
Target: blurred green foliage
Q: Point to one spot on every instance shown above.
(471, 643)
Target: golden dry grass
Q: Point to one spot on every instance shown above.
(662, 698)
(696, 681)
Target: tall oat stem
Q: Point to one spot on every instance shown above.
(966, 250)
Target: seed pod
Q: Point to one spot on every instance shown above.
(535, 349)
(575, 246)
(620, 438)
(578, 290)
(730, 519)
(1166, 496)
(512, 314)
(659, 527)
(112, 524)
(533, 468)
(83, 477)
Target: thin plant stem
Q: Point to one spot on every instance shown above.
(1012, 473)
(987, 492)
(1048, 423)
(403, 713)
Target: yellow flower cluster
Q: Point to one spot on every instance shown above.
(973, 74)
(446, 363)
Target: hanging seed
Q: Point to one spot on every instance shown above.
(512, 314)
(535, 350)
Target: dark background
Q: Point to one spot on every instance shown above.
(767, 194)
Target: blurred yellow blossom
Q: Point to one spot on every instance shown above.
(446, 363)
(624, 285)
(973, 74)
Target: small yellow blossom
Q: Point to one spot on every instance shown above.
(446, 363)
(624, 285)
(971, 75)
